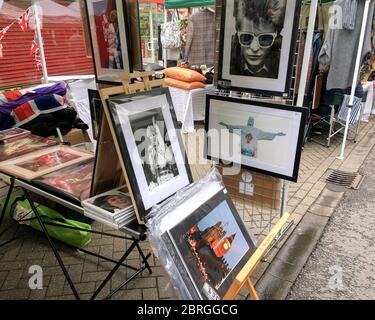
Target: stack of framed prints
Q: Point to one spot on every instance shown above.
(36, 164)
(203, 241)
(149, 147)
(72, 182)
(253, 135)
(23, 144)
(257, 45)
(113, 208)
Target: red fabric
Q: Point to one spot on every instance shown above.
(12, 95)
(24, 111)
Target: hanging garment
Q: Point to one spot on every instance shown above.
(200, 46)
(337, 50)
(349, 14)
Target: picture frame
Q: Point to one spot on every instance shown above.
(146, 126)
(96, 111)
(72, 183)
(255, 135)
(110, 39)
(207, 242)
(36, 164)
(12, 133)
(255, 66)
(23, 144)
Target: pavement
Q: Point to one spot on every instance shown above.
(311, 218)
(342, 266)
(310, 204)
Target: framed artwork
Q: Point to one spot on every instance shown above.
(21, 145)
(258, 136)
(208, 243)
(151, 148)
(96, 111)
(73, 181)
(11, 133)
(110, 42)
(36, 164)
(257, 47)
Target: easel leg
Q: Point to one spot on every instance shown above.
(10, 190)
(119, 263)
(144, 259)
(252, 291)
(52, 245)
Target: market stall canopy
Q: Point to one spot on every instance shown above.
(10, 12)
(176, 4)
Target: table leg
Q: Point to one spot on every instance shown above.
(52, 245)
(119, 263)
(6, 202)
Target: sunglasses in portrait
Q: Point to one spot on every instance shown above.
(265, 40)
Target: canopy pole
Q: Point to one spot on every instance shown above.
(41, 45)
(355, 77)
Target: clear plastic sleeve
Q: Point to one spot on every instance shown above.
(160, 242)
(200, 239)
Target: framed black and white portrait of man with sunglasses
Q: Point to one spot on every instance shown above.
(258, 39)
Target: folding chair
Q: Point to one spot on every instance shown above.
(338, 121)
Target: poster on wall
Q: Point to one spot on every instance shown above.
(257, 136)
(258, 40)
(110, 41)
(151, 147)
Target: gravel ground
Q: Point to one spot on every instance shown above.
(343, 264)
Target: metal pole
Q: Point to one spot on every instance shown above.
(355, 77)
(306, 54)
(41, 46)
(302, 85)
(165, 58)
(152, 36)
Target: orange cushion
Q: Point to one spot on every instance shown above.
(183, 85)
(184, 74)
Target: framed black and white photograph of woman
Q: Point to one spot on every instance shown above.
(110, 40)
(258, 39)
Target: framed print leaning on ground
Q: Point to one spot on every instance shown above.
(151, 147)
(257, 46)
(257, 136)
(109, 33)
(208, 242)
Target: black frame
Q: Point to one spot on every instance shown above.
(195, 217)
(288, 83)
(127, 32)
(301, 133)
(141, 211)
(96, 112)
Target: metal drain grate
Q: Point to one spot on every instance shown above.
(345, 179)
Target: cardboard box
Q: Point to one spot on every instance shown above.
(75, 136)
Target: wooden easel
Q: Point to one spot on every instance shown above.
(243, 278)
(110, 170)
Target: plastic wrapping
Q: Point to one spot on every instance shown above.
(200, 239)
(74, 180)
